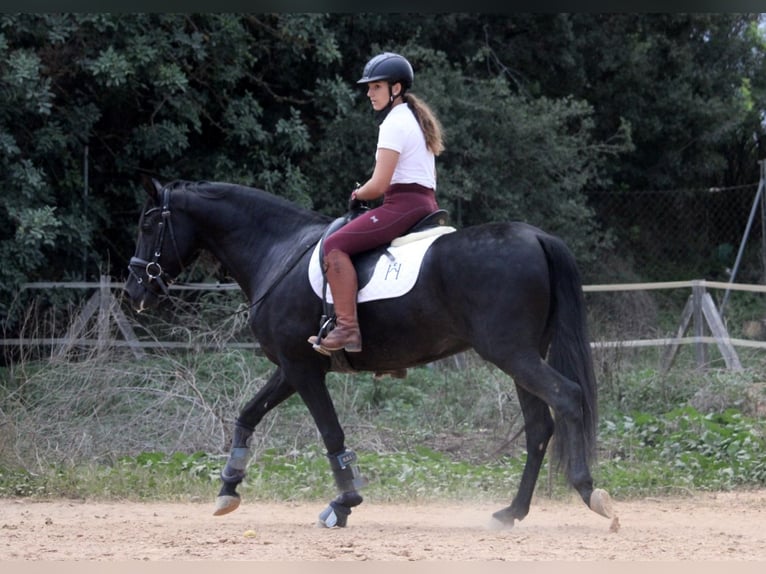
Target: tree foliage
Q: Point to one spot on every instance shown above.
(538, 110)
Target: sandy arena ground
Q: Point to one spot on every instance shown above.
(703, 527)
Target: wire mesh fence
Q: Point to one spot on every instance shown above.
(714, 234)
(684, 234)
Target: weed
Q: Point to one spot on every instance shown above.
(106, 426)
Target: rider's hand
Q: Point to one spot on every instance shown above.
(354, 204)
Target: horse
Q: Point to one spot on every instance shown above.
(509, 291)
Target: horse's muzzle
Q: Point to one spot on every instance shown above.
(146, 284)
(138, 295)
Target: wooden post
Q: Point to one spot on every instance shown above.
(700, 350)
(718, 329)
(702, 309)
(103, 325)
(125, 328)
(103, 302)
(763, 223)
(78, 325)
(670, 352)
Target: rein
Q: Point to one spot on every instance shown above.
(282, 275)
(153, 269)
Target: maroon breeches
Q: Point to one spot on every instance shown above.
(403, 206)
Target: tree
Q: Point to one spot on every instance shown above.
(507, 157)
(539, 110)
(688, 85)
(191, 96)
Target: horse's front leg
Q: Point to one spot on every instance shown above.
(343, 461)
(347, 480)
(274, 392)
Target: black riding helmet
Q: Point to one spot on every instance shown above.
(390, 67)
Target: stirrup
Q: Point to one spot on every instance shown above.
(317, 346)
(348, 344)
(325, 326)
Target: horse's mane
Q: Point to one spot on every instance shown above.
(222, 190)
(272, 211)
(208, 189)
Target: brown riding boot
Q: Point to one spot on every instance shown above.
(341, 276)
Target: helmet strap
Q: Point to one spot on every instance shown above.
(391, 96)
(381, 115)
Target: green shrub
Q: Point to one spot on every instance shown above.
(111, 427)
(682, 450)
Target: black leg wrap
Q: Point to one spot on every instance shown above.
(229, 489)
(349, 499)
(505, 516)
(239, 456)
(345, 471)
(348, 480)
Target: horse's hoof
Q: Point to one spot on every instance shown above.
(503, 519)
(334, 515)
(601, 503)
(225, 504)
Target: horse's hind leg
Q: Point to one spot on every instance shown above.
(538, 428)
(269, 396)
(564, 397)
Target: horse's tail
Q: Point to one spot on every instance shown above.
(570, 352)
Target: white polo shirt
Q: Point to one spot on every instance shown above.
(401, 132)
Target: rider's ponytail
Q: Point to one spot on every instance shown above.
(429, 123)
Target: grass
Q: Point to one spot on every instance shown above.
(680, 451)
(110, 427)
(159, 430)
(683, 450)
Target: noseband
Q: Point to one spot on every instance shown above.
(155, 275)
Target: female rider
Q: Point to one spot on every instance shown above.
(409, 138)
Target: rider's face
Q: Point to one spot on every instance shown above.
(379, 94)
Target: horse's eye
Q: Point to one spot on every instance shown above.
(148, 220)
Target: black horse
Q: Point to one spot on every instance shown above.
(510, 291)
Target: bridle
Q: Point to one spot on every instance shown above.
(152, 277)
(153, 271)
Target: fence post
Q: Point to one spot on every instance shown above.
(720, 333)
(758, 199)
(670, 354)
(78, 325)
(700, 310)
(104, 300)
(106, 306)
(700, 349)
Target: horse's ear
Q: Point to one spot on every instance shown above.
(152, 186)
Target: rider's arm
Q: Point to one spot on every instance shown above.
(376, 186)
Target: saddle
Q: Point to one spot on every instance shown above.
(365, 264)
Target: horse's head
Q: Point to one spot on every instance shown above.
(161, 248)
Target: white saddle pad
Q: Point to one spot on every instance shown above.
(395, 272)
